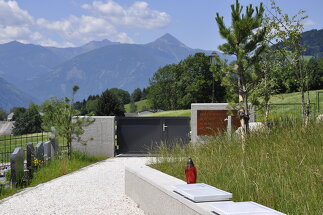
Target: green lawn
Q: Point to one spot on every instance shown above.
(141, 105)
(283, 105)
(281, 169)
(293, 97)
(172, 113)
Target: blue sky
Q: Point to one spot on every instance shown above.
(74, 22)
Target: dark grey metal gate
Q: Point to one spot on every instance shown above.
(140, 135)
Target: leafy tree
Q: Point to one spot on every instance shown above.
(267, 84)
(163, 88)
(18, 112)
(109, 105)
(176, 86)
(28, 122)
(123, 95)
(59, 113)
(244, 40)
(288, 34)
(3, 115)
(144, 93)
(136, 95)
(315, 73)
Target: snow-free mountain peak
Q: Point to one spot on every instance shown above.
(169, 40)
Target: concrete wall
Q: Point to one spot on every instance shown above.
(6, 127)
(208, 106)
(152, 190)
(100, 137)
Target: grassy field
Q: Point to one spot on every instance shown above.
(172, 113)
(292, 97)
(141, 105)
(283, 105)
(282, 169)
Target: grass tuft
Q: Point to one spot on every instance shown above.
(281, 168)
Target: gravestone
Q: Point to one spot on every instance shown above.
(54, 144)
(48, 150)
(39, 151)
(30, 155)
(17, 166)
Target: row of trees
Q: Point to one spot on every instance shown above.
(100, 105)
(176, 86)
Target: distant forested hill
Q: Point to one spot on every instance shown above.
(10, 96)
(313, 41)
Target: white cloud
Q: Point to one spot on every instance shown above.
(12, 15)
(102, 23)
(83, 29)
(19, 33)
(308, 23)
(138, 15)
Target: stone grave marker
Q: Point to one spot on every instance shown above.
(48, 150)
(54, 144)
(17, 165)
(30, 155)
(40, 151)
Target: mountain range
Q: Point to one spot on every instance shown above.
(10, 96)
(44, 72)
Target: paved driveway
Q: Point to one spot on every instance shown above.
(96, 189)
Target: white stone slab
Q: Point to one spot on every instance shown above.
(201, 192)
(242, 208)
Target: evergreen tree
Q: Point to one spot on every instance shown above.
(244, 38)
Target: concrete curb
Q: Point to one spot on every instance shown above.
(152, 190)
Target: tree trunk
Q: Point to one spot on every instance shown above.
(267, 110)
(243, 105)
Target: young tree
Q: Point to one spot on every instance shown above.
(244, 40)
(287, 32)
(59, 113)
(109, 105)
(266, 69)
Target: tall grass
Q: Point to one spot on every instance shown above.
(281, 168)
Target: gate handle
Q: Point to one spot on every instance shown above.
(164, 127)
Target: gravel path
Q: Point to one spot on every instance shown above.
(96, 189)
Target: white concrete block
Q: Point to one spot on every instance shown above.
(201, 192)
(242, 208)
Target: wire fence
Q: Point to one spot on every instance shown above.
(287, 110)
(8, 143)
